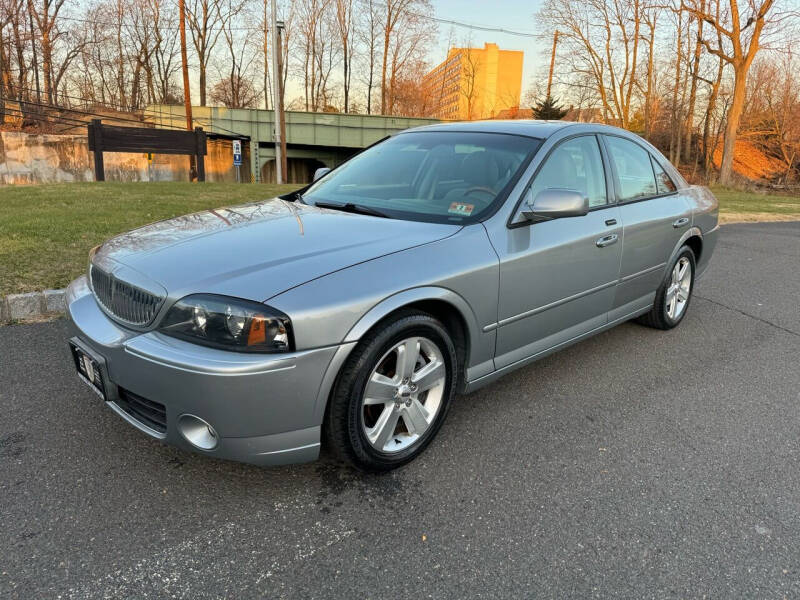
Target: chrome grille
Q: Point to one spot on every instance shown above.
(122, 300)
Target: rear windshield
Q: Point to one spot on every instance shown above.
(445, 177)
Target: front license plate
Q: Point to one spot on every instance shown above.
(88, 370)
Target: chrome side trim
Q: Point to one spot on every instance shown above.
(298, 448)
(475, 384)
(138, 424)
(642, 272)
(536, 311)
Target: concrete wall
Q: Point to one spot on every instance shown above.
(26, 158)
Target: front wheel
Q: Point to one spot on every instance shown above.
(393, 393)
(674, 294)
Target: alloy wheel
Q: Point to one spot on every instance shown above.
(679, 288)
(403, 394)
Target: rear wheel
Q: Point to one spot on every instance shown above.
(674, 294)
(393, 393)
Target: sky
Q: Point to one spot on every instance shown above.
(516, 15)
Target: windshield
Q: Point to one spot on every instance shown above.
(429, 175)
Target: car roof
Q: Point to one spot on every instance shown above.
(527, 127)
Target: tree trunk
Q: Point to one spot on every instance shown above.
(346, 83)
(4, 76)
(386, 35)
(693, 93)
(675, 133)
(648, 100)
(35, 61)
(202, 83)
(712, 104)
(732, 123)
(47, 61)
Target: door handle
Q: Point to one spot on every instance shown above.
(680, 222)
(607, 240)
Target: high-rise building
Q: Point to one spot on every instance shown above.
(474, 83)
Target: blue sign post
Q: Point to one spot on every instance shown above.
(237, 157)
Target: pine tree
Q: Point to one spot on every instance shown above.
(548, 109)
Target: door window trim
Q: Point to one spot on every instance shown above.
(615, 176)
(610, 190)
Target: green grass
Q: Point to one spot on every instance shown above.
(733, 202)
(46, 231)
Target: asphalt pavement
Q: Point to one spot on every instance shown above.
(636, 464)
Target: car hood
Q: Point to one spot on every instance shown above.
(257, 250)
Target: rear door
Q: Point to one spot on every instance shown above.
(654, 217)
(558, 277)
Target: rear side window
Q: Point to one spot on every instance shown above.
(634, 169)
(664, 183)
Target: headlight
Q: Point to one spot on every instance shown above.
(229, 323)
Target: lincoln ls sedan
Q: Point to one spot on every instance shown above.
(348, 314)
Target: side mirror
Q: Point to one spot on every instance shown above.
(555, 204)
(320, 173)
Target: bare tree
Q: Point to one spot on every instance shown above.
(45, 14)
(405, 33)
(205, 18)
(742, 41)
(235, 89)
(694, 70)
(344, 20)
(470, 66)
(368, 34)
(602, 39)
(650, 16)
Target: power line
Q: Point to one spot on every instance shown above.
(441, 20)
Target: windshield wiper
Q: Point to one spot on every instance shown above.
(353, 208)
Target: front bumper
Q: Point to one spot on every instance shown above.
(265, 409)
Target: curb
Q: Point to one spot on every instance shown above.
(18, 307)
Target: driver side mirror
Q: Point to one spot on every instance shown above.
(554, 204)
(320, 173)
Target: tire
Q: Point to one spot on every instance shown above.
(664, 315)
(358, 428)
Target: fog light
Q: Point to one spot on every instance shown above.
(197, 432)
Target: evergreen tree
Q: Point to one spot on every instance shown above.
(548, 109)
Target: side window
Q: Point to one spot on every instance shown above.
(575, 164)
(664, 182)
(634, 169)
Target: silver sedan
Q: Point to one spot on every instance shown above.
(350, 312)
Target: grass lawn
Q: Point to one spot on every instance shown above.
(46, 231)
(738, 206)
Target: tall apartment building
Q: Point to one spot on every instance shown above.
(475, 83)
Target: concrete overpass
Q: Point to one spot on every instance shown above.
(313, 139)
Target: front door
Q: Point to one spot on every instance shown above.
(558, 277)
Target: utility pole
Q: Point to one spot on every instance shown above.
(187, 99)
(266, 59)
(282, 113)
(552, 63)
(277, 99)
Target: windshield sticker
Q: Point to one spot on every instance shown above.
(459, 208)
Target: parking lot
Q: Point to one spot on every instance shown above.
(636, 464)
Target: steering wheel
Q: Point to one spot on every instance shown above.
(480, 188)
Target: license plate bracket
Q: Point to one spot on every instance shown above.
(90, 369)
